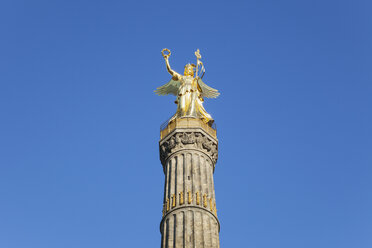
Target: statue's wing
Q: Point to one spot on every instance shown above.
(169, 88)
(207, 91)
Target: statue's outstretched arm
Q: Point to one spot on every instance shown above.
(174, 74)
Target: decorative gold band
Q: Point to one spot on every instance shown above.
(173, 202)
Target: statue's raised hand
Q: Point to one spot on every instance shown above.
(166, 55)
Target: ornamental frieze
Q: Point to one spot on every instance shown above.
(189, 140)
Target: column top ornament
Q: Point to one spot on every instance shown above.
(188, 139)
(189, 89)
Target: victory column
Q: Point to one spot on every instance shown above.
(188, 152)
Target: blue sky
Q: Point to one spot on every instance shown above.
(79, 130)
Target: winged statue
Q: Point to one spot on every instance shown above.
(189, 89)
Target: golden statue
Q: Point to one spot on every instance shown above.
(189, 89)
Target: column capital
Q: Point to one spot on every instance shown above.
(189, 138)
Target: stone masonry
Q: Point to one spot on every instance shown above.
(188, 155)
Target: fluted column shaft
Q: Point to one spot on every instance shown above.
(189, 211)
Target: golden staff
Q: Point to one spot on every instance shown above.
(198, 56)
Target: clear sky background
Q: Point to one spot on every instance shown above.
(79, 127)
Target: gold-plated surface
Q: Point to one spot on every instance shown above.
(189, 89)
(187, 123)
(181, 198)
(205, 203)
(173, 200)
(177, 201)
